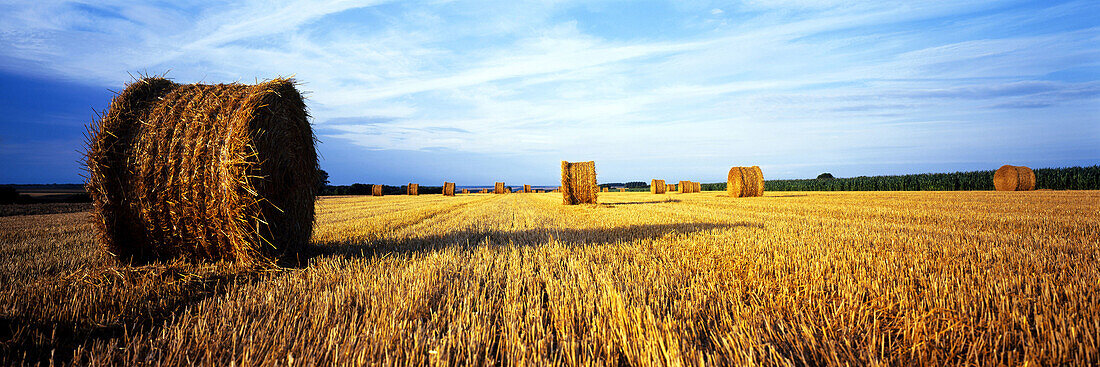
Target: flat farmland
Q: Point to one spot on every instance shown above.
(790, 278)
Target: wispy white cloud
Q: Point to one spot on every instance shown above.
(774, 81)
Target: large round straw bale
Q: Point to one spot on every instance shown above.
(578, 183)
(220, 172)
(376, 190)
(1006, 178)
(657, 186)
(1014, 178)
(412, 189)
(449, 189)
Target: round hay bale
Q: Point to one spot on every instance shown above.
(215, 172)
(1006, 178)
(1025, 179)
(657, 186)
(578, 183)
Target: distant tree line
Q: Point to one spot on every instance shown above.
(629, 185)
(365, 189)
(1068, 178)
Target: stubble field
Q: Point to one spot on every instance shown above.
(835, 278)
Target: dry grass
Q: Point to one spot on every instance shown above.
(820, 278)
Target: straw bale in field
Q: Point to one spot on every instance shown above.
(376, 190)
(578, 183)
(499, 188)
(196, 171)
(622, 189)
(412, 189)
(657, 186)
(449, 189)
(745, 182)
(698, 187)
(526, 189)
(1014, 178)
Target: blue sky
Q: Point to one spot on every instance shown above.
(483, 91)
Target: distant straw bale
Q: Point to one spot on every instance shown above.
(376, 190)
(203, 172)
(499, 188)
(657, 186)
(578, 183)
(449, 189)
(1014, 178)
(622, 189)
(412, 189)
(526, 189)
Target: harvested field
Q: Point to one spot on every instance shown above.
(802, 278)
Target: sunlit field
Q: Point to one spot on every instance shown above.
(802, 278)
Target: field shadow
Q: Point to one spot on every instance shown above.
(471, 238)
(51, 341)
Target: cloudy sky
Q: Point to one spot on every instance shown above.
(483, 91)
